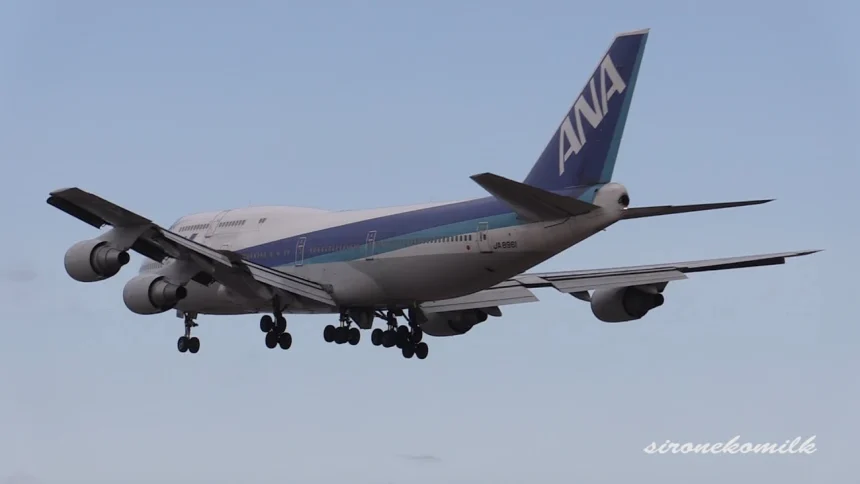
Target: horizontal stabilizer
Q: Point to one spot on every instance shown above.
(640, 212)
(531, 203)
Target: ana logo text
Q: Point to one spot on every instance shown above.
(594, 113)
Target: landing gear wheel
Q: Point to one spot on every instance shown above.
(329, 333)
(285, 340)
(389, 338)
(341, 335)
(266, 324)
(408, 351)
(188, 343)
(421, 350)
(376, 337)
(354, 336)
(402, 336)
(271, 339)
(281, 324)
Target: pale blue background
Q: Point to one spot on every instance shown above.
(177, 107)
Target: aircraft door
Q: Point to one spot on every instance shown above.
(300, 251)
(370, 245)
(213, 225)
(485, 245)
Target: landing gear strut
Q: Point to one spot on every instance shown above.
(188, 343)
(343, 333)
(276, 329)
(407, 338)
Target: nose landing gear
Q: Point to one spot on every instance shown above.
(188, 343)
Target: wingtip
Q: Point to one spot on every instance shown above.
(802, 253)
(60, 190)
(480, 176)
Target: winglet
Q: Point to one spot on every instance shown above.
(532, 203)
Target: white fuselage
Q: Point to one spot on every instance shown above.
(413, 268)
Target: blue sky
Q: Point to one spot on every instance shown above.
(176, 107)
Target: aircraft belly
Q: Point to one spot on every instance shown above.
(208, 300)
(442, 276)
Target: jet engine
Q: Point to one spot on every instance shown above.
(452, 323)
(152, 294)
(621, 304)
(94, 260)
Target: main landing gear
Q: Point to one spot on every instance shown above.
(188, 343)
(276, 330)
(407, 338)
(343, 333)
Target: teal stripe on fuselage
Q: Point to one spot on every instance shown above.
(384, 246)
(347, 242)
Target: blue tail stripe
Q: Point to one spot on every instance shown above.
(609, 166)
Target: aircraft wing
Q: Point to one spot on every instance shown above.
(578, 283)
(158, 243)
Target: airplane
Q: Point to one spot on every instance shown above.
(442, 267)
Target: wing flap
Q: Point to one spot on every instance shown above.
(502, 294)
(683, 267)
(578, 283)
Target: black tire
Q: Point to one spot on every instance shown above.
(421, 350)
(281, 324)
(285, 340)
(182, 344)
(376, 337)
(266, 323)
(402, 336)
(193, 344)
(329, 333)
(389, 338)
(341, 335)
(354, 336)
(408, 351)
(271, 340)
(417, 335)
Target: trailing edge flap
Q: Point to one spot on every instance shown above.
(531, 203)
(639, 212)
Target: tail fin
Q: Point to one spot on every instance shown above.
(583, 149)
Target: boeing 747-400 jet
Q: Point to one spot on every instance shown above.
(441, 267)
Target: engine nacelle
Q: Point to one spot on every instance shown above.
(621, 304)
(152, 294)
(452, 323)
(94, 260)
